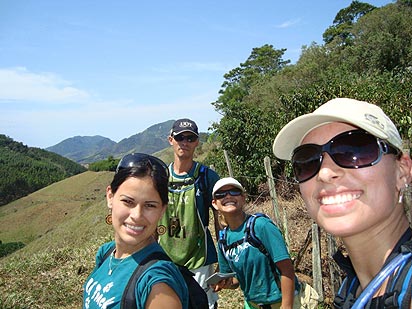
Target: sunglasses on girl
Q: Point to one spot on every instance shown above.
(142, 159)
(351, 149)
(221, 194)
(189, 138)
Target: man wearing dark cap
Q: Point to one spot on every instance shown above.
(183, 230)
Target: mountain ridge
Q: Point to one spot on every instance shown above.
(89, 149)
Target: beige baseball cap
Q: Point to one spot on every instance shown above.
(361, 114)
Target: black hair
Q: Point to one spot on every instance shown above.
(159, 178)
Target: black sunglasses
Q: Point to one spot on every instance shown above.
(142, 159)
(189, 138)
(221, 194)
(351, 149)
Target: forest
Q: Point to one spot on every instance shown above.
(27, 169)
(366, 55)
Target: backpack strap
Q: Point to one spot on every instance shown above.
(376, 282)
(202, 179)
(129, 297)
(251, 238)
(399, 291)
(398, 267)
(345, 298)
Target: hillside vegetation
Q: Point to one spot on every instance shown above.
(60, 227)
(26, 169)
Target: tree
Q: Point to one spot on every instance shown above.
(261, 95)
(382, 40)
(341, 30)
(242, 130)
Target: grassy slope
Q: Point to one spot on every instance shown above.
(62, 226)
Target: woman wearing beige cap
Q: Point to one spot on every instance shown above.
(353, 177)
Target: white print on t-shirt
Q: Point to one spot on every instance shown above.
(233, 254)
(98, 295)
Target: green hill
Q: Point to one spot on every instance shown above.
(26, 169)
(60, 228)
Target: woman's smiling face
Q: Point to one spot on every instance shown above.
(346, 202)
(136, 209)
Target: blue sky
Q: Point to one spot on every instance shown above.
(114, 68)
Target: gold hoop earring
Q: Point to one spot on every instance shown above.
(109, 220)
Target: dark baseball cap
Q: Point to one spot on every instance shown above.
(184, 125)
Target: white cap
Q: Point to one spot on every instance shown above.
(366, 116)
(227, 181)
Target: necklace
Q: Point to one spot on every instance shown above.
(111, 270)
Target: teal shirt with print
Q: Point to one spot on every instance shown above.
(252, 266)
(102, 290)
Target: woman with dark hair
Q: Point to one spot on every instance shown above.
(137, 198)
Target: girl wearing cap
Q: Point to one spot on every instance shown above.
(136, 198)
(353, 177)
(252, 267)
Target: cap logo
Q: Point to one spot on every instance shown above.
(375, 121)
(185, 124)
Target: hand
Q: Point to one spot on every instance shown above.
(229, 283)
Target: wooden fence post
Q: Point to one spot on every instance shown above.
(316, 262)
(229, 167)
(335, 279)
(283, 224)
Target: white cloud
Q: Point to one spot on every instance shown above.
(36, 124)
(19, 84)
(289, 23)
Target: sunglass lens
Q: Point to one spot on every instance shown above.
(355, 150)
(188, 138)
(233, 192)
(306, 161)
(191, 138)
(220, 195)
(179, 138)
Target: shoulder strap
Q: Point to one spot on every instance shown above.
(399, 288)
(201, 179)
(345, 297)
(129, 297)
(376, 282)
(251, 238)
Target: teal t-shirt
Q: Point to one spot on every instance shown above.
(102, 290)
(252, 266)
